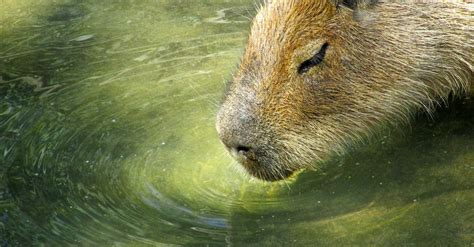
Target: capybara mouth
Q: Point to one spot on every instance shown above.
(266, 172)
(259, 163)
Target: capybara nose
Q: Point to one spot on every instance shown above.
(237, 140)
(240, 152)
(236, 147)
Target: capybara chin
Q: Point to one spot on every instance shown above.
(318, 75)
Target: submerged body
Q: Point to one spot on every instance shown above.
(318, 75)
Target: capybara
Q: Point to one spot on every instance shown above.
(319, 75)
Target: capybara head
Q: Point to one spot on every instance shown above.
(313, 79)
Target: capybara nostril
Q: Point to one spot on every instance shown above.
(243, 149)
(238, 151)
(232, 142)
(243, 152)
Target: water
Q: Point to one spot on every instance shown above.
(107, 138)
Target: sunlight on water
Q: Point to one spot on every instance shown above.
(107, 137)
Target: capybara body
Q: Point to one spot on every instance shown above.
(319, 75)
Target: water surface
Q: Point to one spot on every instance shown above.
(107, 138)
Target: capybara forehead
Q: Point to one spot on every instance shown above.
(284, 21)
(282, 26)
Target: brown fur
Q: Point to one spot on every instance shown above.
(384, 62)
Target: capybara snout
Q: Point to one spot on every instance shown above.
(243, 132)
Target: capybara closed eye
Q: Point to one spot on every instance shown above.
(318, 75)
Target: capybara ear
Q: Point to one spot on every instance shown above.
(353, 4)
(349, 3)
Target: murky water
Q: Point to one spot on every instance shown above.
(107, 138)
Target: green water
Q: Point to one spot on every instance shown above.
(107, 139)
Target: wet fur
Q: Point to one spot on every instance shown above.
(385, 61)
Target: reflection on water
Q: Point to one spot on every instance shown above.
(107, 137)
